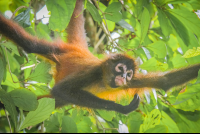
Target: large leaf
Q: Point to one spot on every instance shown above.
(185, 125)
(171, 125)
(164, 2)
(192, 52)
(9, 105)
(135, 119)
(189, 100)
(125, 25)
(195, 4)
(189, 19)
(24, 99)
(84, 126)
(43, 31)
(151, 120)
(61, 12)
(112, 12)
(52, 125)
(107, 115)
(164, 23)
(153, 65)
(158, 129)
(158, 48)
(41, 73)
(2, 68)
(94, 12)
(179, 28)
(43, 111)
(178, 61)
(145, 21)
(11, 81)
(68, 125)
(23, 18)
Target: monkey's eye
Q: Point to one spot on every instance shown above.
(120, 67)
(129, 75)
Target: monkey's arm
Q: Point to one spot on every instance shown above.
(70, 91)
(23, 39)
(168, 80)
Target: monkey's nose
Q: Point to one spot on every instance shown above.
(124, 75)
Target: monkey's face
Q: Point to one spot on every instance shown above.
(120, 70)
(122, 75)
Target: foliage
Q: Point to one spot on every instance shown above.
(163, 34)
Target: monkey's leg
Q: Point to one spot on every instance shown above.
(168, 80)
(23, 39)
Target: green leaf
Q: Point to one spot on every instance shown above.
(134, 121)
(189, 100)
(164, 23)
(192, 52)
(43, 31)
(107, 115)
(52, 125)
(158, 129)
(94, 12)
(9, 105)
(24, 99)
(189, 19)
(179, 28)
(145, 21)
(185, 125)
(164, 2)
(125, 25)
(68, 125)
(110, 24)
(151, 120)
(178, 61)
(41, 73)
(2, 68)
(153, 65)
(194, 3)
(23, 18)
(84, 126)
(158, 48)
(171, 125)
(112, 12)
(39, 89)
(10, 45)
(43, 111)
(198, 78)
(61, 12)
(4, 5)
(176, 1)
(9, 80)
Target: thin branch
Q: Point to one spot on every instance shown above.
(17, 10)
(42, 127)
(105, 27)
(8, 121)
(99, 42)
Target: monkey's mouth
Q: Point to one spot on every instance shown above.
(120, 81)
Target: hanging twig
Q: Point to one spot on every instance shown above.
(8, 120)
(105, 27)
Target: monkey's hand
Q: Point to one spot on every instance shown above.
(132, 106)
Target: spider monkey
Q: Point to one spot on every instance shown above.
(83, 79)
